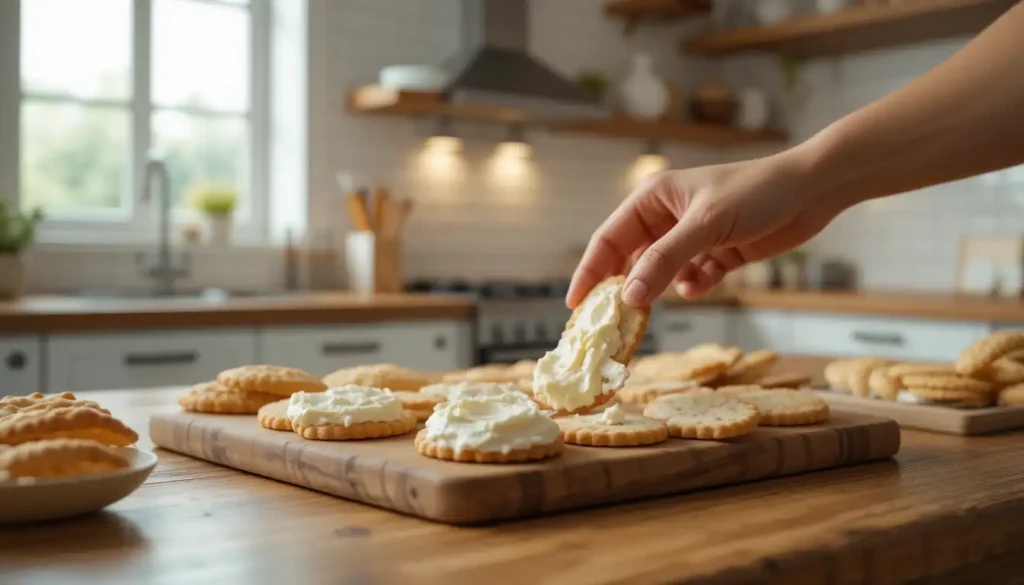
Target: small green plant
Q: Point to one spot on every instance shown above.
(594, 83)
(17, 228)
(214, 200)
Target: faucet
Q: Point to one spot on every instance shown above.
(165, 271)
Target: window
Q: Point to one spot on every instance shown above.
(107, 84)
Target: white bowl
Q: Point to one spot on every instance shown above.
(49, 499)
(413, 77)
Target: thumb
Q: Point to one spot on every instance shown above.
(661, 261)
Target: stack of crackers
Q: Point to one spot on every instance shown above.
(59, 436)
(989, 371)
(245, 389)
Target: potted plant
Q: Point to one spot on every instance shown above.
(217, 203)
(17, 232)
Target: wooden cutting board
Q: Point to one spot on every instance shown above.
(941, 419)
(389, 473)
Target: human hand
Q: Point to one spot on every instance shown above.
(694, 226)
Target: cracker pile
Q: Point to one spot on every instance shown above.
(59, 436)
(245, 389)
(990, 370)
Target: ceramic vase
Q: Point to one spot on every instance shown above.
(12, 276)
(221, 227)
(642, 94)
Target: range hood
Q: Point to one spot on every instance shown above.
(495, 68)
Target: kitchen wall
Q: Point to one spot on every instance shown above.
(473, 217)
(909, 241)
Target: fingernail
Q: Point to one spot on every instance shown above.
(635, 292)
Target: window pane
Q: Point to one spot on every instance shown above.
(200, 55)
(77, 48)
(73, 157)
(202, 150)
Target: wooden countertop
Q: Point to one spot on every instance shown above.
(922, 306)
(53, 314)
(943, 504)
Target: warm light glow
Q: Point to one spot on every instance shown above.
(644, 165)
(444, 143)
(513, 149)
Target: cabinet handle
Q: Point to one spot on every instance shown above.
(16, 360)
(349, 348)
(161, 359)
(679, 327)
(877, 338)
(440, 342)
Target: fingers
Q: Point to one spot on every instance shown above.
(692, 282)
(607, 253)
(664, 258)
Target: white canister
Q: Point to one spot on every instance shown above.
(220, 226)
(642, 93)
(755, 109)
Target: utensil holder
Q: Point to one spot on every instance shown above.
(374, 263)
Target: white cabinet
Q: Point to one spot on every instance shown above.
(21, 365)
(427, 345)
(897, 338)
(760, 329)
(681, 329)
(77, 362)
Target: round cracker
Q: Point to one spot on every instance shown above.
(593, 430)
(428, 448)
(704, 415)
(788, 407)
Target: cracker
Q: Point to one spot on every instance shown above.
(975, 357)
(447, 390)
(835, 374)
(859, 371)
(902, 369)
(274, 416)
(58, 458)
(213, 398)
(38, 401)
(1012, 395)
(960, 397)
(750, 367)
(595, 430)
(788, 407)
(784, 380)
(738, 389)
(524, 368)
(366, 430)
(645, 392)
(1003, 372)
(881, 384)
(270, 380)
(390, 376)
(704, 415)
(73, 422)
(599, 402)
(446, 453)
(953, 382)
(495, 373)
(418, 403)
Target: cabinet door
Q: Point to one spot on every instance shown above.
(681, 329)
(144, 360)
(755, 329)
(322, 349)
(430, 345)
(909, 339)
(21, 365)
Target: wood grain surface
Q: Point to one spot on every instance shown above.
(390, 473)
(63, 314)
(946, 510)
(971, 421)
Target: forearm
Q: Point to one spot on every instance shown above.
(963, 118)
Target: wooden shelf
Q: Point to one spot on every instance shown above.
(635, 11)
(666, 131)
(856, 28)
(375, 100)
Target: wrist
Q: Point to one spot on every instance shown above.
(824, 177)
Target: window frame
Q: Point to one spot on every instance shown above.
(140, 224)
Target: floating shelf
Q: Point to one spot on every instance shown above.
(666, 131)
(856, 28)
(636, 11)
(375, 100)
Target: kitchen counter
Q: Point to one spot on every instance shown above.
(922, 306)
(70, 314)
(946, 506)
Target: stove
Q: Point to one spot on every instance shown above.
(515, 319)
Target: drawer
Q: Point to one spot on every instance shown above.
(321, 349)
(681, 329)
(753, 330)
(144, 360)
(429, 345)
(909, 339)
(21, 365)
